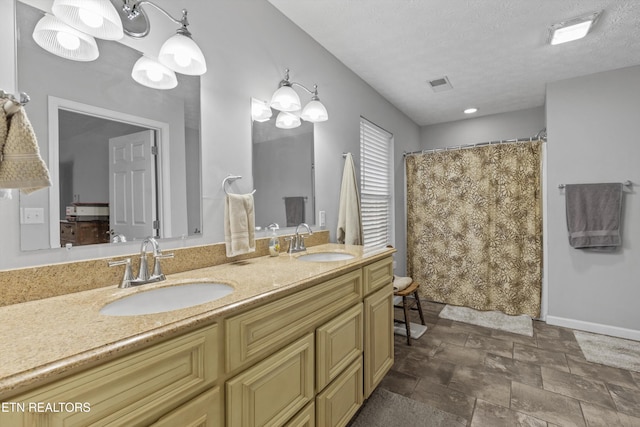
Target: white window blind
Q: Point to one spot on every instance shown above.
(375, 184)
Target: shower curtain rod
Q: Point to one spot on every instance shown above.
(540, 136)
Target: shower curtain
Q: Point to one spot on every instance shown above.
(474, 226)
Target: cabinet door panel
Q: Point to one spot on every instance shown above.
(202, 411)
(378, 327)
(275, 389)
(262, 330)
(339, 402)
(132, 390)
(377, 275)
(304, 418)
(338, 343)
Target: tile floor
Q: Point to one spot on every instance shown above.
(493, 378)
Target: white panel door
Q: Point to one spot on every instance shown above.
(132, 198)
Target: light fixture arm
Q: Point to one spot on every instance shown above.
(286, 82)
(132, 8)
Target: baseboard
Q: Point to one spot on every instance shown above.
(596, 328)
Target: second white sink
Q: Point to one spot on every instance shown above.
(326, 257)
(165, 299)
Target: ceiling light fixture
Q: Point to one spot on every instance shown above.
(471, 110)
(70, 31)
(572, 29)
(287, 100)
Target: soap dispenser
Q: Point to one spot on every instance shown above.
(274, 240)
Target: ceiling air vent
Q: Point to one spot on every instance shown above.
(440, 84)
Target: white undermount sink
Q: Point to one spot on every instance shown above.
(326, 257)
(165, 299)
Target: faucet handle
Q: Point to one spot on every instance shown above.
(301, 245)
(128, 274)
(157, 269)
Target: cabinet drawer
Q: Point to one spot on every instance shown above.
(378, 330)
(377, 275)
(274, 390)
(202, 411)
(264, 329)
(338, 403)
(338, 343)
(305, 418)
(132, 390)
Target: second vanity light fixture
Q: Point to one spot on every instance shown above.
(71, 31)
(287, 101)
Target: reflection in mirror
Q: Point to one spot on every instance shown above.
(283, 173)
(75, 110)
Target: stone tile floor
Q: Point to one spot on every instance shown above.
(493, 378)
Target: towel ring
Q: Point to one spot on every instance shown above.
(231, 178)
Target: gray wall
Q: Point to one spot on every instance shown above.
(594, 136)
(247, 45)
(516, 124)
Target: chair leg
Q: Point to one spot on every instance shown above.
(419, 307)
(407, 322)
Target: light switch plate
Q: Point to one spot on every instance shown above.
(33, 216)
(322, 218)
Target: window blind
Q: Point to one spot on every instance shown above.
(375, 184)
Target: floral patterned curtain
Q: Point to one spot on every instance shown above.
(474, 226)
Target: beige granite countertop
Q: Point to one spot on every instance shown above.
(46, 338)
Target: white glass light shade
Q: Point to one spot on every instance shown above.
(153, 74)
(260, 111)
(287, 120)
(97, 18)
(285, 99)
(182, 55)
(56, 37)
(314, 112)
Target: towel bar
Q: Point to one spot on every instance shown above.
(231, 178)
(627, 183)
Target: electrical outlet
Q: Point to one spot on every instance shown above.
(33, 216)
(322, 218)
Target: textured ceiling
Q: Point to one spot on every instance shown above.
(493, 51)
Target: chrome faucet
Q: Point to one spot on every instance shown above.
(143, 273)
(296, 243)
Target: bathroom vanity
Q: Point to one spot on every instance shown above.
(298, 343)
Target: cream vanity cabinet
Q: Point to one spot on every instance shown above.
(310, 358)
(138, 389)
(307, 359)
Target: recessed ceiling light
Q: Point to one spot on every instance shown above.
(471, 110)
(572, 29)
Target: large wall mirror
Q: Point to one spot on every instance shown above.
(85, 116)
(283, 173)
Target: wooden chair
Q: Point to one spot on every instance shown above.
(409, 302)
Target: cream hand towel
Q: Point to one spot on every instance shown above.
(21, 166)
(401, 283)
(239, 224)
(349, 215)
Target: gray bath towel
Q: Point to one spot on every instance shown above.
(294, 210)
(594, 215)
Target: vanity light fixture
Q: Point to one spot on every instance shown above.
(70, 32)
(572, 29)
(153, 74)
(287, 100)
(287, 120)
(56, 37)
(98, 18)
(260, 111)
(471, 110)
